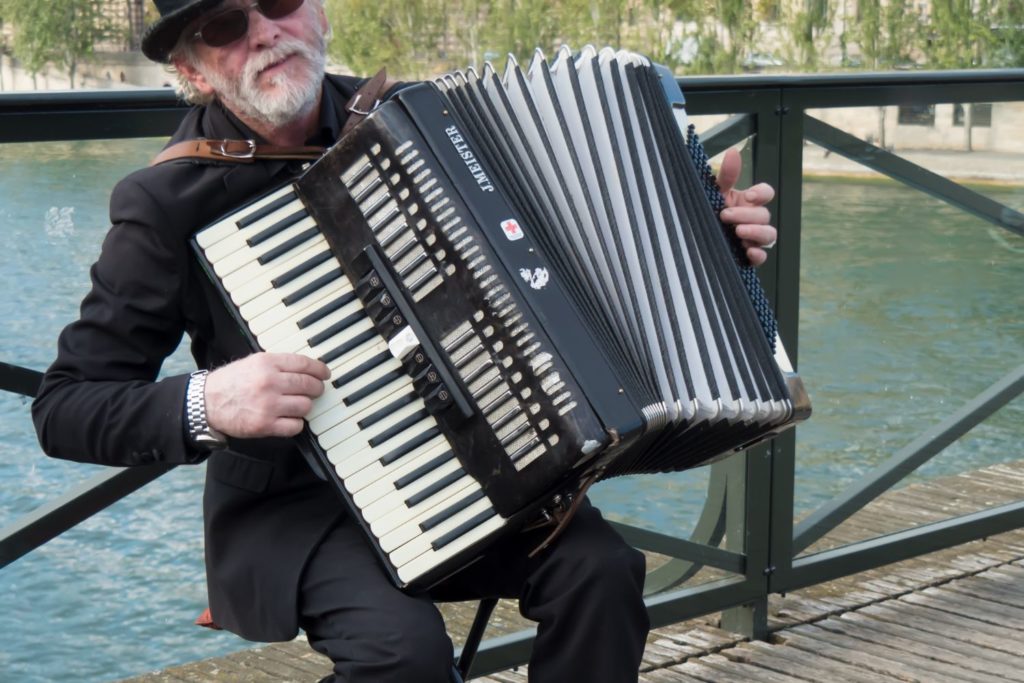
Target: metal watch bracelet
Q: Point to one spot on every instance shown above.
(200, 433)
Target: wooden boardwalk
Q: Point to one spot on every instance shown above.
(955, 615)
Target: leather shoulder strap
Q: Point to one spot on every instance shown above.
(359, 107)
(366, 99)
(234, 151)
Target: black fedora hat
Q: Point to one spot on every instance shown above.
(161, 37)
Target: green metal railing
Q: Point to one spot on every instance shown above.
(762, 544)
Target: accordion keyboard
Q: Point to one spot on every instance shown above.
(371, 422)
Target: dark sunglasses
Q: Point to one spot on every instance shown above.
(227, 27)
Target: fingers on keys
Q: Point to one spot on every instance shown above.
(265, 394)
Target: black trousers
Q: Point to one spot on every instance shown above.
(585, 592)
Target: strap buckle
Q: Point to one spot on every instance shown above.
(351, 107)
(248, 153)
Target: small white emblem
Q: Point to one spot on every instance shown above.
(512, 230)
(537, 278)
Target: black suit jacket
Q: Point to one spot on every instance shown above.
(264, 509)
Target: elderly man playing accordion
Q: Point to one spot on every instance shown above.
(280, 553)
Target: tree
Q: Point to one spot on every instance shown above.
(1007, 48)
(60, 31)
(959, 36)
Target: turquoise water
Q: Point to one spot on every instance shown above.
(908, 308)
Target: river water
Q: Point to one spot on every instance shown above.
(908, 309)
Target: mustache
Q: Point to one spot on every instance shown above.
(281, 51)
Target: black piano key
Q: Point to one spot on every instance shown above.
(409, 446)
(338, 327)
(417, 498)
(450, 511)
(322, 281)
(361, 369)
(378, 415)
(268, 232)
(301, 269)
(463, 529)
(287, 245)
(398, 428)
(358, 340)
(380, 382)
(265, 211)
(424, 469)
(326, 309)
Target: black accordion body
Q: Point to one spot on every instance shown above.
(520, 284)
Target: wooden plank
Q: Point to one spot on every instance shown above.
(948, 601)
(803, 667)
(809, 639)
(699, 670)
(953, 646)
(945, 625)
(747, 672)
(921, 654)
(668, 676)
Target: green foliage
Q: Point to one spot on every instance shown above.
(63, 32)
(886, 32)
(809, 25)
(959, 34)
(1007, 46)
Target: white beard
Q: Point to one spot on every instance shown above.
(290, 99)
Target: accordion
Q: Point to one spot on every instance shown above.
(521, 286)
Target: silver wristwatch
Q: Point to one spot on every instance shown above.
(200, 433)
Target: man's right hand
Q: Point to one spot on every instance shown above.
(265, 394)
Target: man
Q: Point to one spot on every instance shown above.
(280, 554)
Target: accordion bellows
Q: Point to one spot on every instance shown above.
(520, 284)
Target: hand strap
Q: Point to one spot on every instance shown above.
(234, 151)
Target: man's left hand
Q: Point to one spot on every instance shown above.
(746, 210)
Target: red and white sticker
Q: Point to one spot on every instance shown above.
(512, 230)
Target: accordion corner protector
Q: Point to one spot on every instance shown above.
(798, 394)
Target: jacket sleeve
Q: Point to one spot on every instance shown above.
(99, 401)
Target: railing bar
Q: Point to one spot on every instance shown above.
(57, 516)
(902, 545)
(681, 548)
(911, 174)
(907, 459)
(724, 135)
(19, 380)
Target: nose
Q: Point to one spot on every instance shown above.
(263, 32)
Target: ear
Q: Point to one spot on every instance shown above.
(193, 76)
(321, 15)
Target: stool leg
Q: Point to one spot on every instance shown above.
(475, 635)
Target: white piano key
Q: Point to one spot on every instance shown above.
(253, 278)
(403, 515)
(243, 255)
(252, 309)
(419, 545)
(355, 452)
(410, 529)
(229, 226)
(341, 412)
(423, 563)
(387, 513)
(376, 479)
(280, 220)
